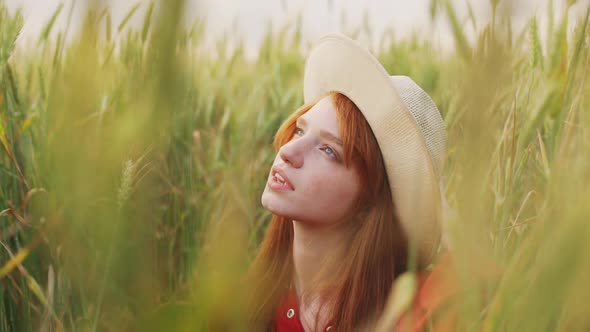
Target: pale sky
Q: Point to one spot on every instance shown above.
(248, 20)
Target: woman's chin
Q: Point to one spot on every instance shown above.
(272, 203)
(268, 201)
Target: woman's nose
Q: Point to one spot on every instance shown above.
(292, 153)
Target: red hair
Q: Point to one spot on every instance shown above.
(376, 254)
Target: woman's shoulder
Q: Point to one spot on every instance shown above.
(434, 288)
(434, 302)
(438, 285)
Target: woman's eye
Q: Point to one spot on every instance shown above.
(298, 131)
(329, 151)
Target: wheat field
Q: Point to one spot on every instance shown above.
(132, 163)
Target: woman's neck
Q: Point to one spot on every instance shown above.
(317, 253)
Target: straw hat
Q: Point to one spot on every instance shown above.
(406, 123)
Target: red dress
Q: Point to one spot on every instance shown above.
(434, 289)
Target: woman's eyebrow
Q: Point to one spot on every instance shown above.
(301, 121)
(323, 133)
(331, 137)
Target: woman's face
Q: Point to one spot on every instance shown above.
(308, 181)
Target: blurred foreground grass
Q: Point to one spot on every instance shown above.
(130, 171)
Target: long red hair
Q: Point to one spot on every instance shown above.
(376, 254)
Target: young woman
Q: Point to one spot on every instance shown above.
(354, 192)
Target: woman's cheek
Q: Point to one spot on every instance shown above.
(320, 184)
(330, 189)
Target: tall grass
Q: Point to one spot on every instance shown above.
(132, 163)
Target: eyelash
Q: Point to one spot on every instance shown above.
(327, 149)
(332, 154)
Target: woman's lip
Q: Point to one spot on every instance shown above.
(276, 170)
(275, 185)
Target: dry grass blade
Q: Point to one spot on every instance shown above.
(15, 261)
(47, 30)
(45, 327)
(400, 300)
(459, 35)
(128, 17)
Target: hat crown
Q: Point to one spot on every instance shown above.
(428, 119)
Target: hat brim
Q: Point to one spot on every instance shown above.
(337, 63)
